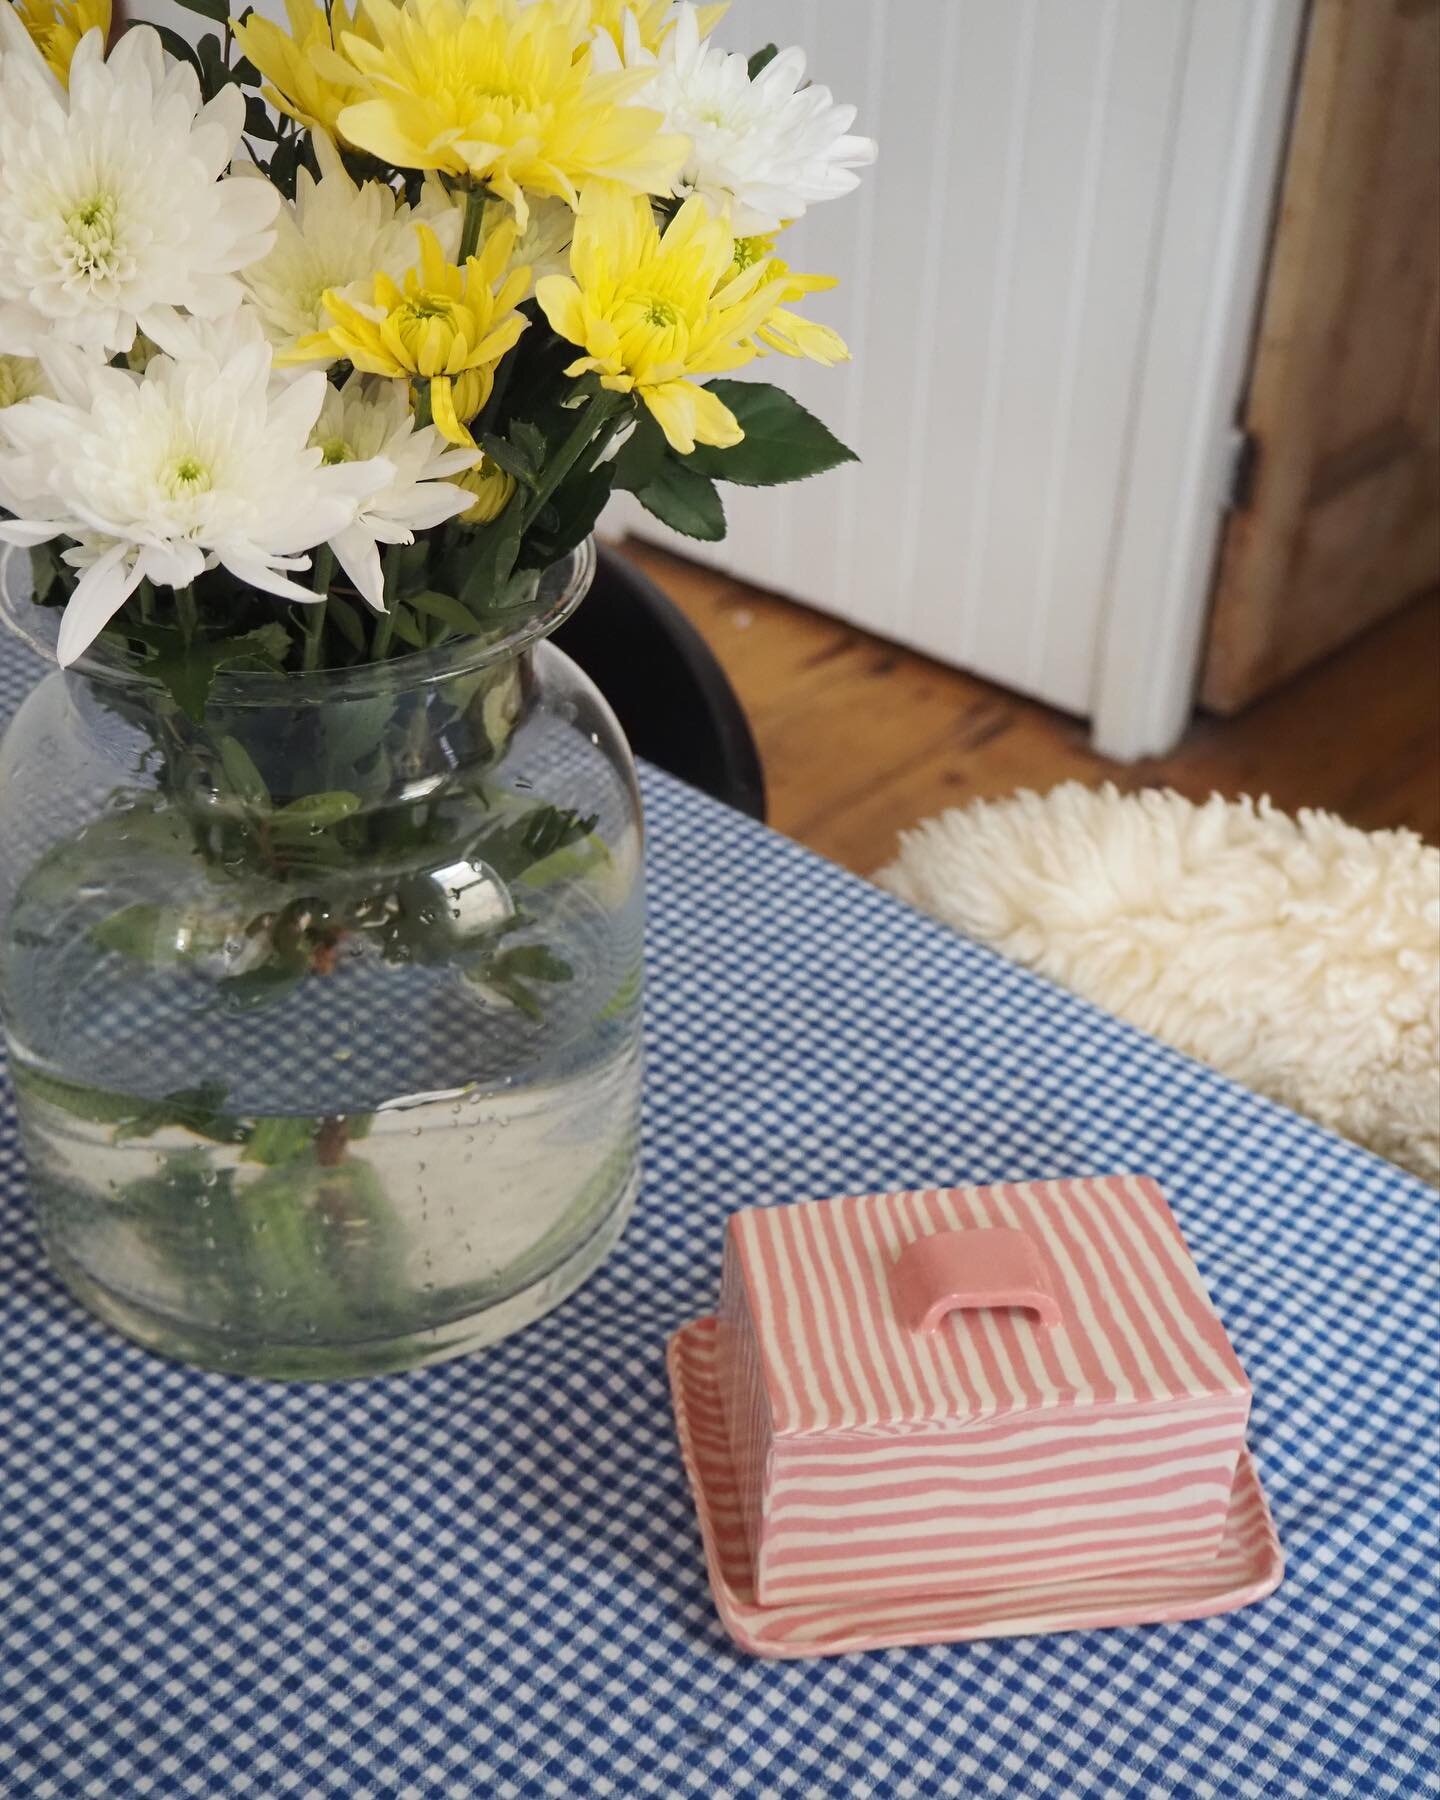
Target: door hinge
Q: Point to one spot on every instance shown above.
(1244, 469)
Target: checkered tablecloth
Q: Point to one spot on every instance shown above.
(485, 1579)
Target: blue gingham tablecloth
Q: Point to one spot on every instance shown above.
(485, 1579)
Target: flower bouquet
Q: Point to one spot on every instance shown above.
(322, 347)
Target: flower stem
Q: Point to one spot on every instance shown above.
(323, 569)
(592, 418)
(470, 230)
(423, 414)
(185, 611)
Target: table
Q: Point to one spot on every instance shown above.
(484, 1579)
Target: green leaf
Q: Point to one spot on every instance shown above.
(189, 672)
(246, 781)
(283, 165)
(571, 515)
(316, 810)
(530, 441)
(217, 10)
(685, 500)
(443, 606)
(510, 457)
(343, 616)
(93, 1104)
(179, 47)
(278, 1140)
(135, 931)
(532, 962)
(258, 122)
(567, 864)
(514, 845)
(762, 59)
(195, 1110)
(626, 997)
(639, 459)
(405, 628)
(518, 592)
(782, 441)
(511, 972)
(350, 732)
(214, 75)
(491, 553)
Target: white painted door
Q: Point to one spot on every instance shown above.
(1048, 284)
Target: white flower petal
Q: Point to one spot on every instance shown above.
(360, 560)
(99, 594)
(265, 576)
(762, 150)
(133, 215)
(27, 533)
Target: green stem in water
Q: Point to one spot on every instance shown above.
(323, 569)
(592, 417)
(470, 230)
(423, 414)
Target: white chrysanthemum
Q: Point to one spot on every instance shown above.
(111, 202)
(761, 150)
(204, 459)
(337, 235)
(368, 419)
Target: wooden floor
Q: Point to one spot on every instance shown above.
(861, 739)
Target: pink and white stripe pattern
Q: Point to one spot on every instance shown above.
(874, 1460)
(1247, 1566)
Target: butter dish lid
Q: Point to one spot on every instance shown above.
(951, 1304)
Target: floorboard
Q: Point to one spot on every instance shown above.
(861, 739)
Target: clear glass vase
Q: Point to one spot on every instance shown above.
(324, 1013)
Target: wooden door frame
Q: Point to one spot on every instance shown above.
(1208, 276)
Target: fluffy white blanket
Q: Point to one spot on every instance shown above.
(1300, 956)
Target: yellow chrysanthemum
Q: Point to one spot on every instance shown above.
(505, 93)
(304, 76)
(446, 325)
(654, 19)
(652, 310)
(57, 26)
(784, 331)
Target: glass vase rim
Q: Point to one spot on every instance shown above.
(101, 663)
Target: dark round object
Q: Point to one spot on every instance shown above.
(668, 691)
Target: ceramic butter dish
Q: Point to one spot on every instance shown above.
(926, 1409)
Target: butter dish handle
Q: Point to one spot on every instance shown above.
(951, 1270)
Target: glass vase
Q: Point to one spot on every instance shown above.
(324, 1008)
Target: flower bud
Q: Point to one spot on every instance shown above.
(492, 489)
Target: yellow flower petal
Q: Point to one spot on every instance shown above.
(442, 410)
(560, 301)
(690, 415)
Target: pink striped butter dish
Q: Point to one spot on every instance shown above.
(967, 1412)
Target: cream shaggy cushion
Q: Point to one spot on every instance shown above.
(1300, 956)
